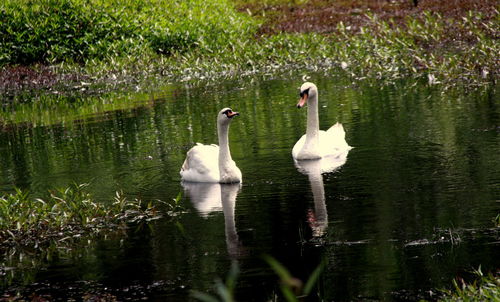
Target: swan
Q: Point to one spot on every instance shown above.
(317, 143)
(212, 163)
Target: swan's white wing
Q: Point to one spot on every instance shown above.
(201, 164)
(336, 135)
(332, 142)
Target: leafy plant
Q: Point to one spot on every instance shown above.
(225, 290)
(52, 31)
(65, 213)
(484, 288)
(294, 289)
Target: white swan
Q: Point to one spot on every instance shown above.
(317, 143)
(212, 163)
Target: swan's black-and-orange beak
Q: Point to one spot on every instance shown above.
(231, 114)
(303, 99)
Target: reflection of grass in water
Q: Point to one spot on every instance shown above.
(46, 110)
(35, 230)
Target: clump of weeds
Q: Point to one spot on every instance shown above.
(67, 213)
(485, 287)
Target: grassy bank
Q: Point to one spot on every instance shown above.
(67, 42)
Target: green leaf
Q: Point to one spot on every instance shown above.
(203, 296)
(313, 278)
(278, 268)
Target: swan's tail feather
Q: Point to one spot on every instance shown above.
(337, 135)
(337, 131)
(185, 165)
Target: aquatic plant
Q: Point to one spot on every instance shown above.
(484, 288)
(66, 213)
(292, 288)
(33, 231)
(225, 290)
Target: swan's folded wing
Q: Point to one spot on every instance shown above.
(298, 146)
(336, 137)
(201, 164)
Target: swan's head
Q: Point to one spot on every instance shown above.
(307, 90)
(225, 116)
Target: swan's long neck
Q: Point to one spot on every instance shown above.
(312, 131)
(224, 153)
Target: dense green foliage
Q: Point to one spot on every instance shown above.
(118, 41)
(51, 31)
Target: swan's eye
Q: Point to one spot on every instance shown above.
(304, 92)
(227, 112)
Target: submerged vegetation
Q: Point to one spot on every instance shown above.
(112, 41)
(67, 224)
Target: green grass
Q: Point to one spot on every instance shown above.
(135, 42)
(52, 31)
(27, 221)
(484, 288)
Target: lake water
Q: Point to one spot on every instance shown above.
(411, 208)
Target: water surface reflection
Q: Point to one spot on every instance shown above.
(425, 165)
(314, 168)
(214, 197)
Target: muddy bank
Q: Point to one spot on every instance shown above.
(16, 79)
(323, 16)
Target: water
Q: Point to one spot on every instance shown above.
(410, 209)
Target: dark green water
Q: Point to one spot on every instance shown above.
(410, 210)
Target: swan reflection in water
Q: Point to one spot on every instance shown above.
(314, 168)
(214, 197)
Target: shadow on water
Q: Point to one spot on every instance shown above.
(408, 210)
